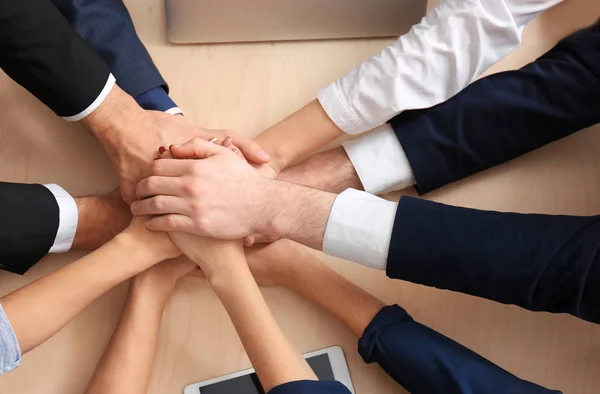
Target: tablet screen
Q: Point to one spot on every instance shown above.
(249, 384)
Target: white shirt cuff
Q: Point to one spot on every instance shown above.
(360, 228)
(174, 111)
(68, 219)
(380, 161)
(335, 106)
(96, 103)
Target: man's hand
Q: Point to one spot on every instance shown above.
(219, 196)
(131, 135)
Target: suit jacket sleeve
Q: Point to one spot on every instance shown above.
(107, 26)
(505, 115)
(29, 217)
(539, 262)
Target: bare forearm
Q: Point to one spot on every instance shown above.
(298, 135)
(100, 219)
(54, 300)
(127, 362)
(331, 171)
(273, 357)
(296, 212)
(314, 280)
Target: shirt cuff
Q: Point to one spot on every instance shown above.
(96, 103)
(10, 351)
(68, 219)
(157, 99)
(334, 104)
(380, 161)
(360, 228)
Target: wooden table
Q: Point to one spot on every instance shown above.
(248, 87)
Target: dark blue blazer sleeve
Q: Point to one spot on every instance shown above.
(505, 115)
(424, 361)
(107, 26)
(310, 387)
(539, 262)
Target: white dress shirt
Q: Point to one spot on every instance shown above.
(447, 50)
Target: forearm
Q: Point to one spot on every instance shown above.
(100, 219)
(298, 135)
(295, 212)
(127, 362)
(330, 171)
(54, 300)
(315, 281)
(273, 357)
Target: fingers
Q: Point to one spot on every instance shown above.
(174, 168)
(196, 149)
(159, 205)
(251, 150)
(248, 241)
(155, 185)
(172, 222)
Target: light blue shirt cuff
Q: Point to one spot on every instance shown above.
(10, 352)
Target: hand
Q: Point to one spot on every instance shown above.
(155, 243)
(163, 276)
(219, 196)
(131, 135)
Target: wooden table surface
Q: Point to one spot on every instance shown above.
(248, 87)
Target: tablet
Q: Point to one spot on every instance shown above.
(328, 364)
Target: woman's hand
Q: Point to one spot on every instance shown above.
(163, 276)
(156, 243)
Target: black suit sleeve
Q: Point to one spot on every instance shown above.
(29, 220)
(42, 53)
(539, 262)
(505, 115)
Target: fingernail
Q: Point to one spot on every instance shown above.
(263, 155)
(227, 142)
(173, 146)
(162, 150)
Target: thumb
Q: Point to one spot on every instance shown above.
(251, 150)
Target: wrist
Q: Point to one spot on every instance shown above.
(148, 284)
(140, 254)
(109, 120)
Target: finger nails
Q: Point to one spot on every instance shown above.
(227, 142)
(263, 155)
(162, 150)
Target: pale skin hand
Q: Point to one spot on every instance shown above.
(126, 365)
(55, 299)
(223, 263)
(130, 136)
(285, 263)
(222, 196)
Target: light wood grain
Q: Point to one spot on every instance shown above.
(248, 87)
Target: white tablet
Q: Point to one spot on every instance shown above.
(328, 364)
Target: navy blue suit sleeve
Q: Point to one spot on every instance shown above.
(424, 361)
(107, 26)
(310, 387)
(505, 115)
(539, 262)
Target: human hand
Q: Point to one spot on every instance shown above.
(130, 136)
(156, 244)
(162, 277)
(219, 196)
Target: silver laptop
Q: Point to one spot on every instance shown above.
(211, 21)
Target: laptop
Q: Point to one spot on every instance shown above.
(218, 21)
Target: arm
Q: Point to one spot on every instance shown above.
(127, 362)
(418, 358)
(223, 263)
(41, 219)
(539, 262)
(453, 45)
(108, 28)
(52, 301)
